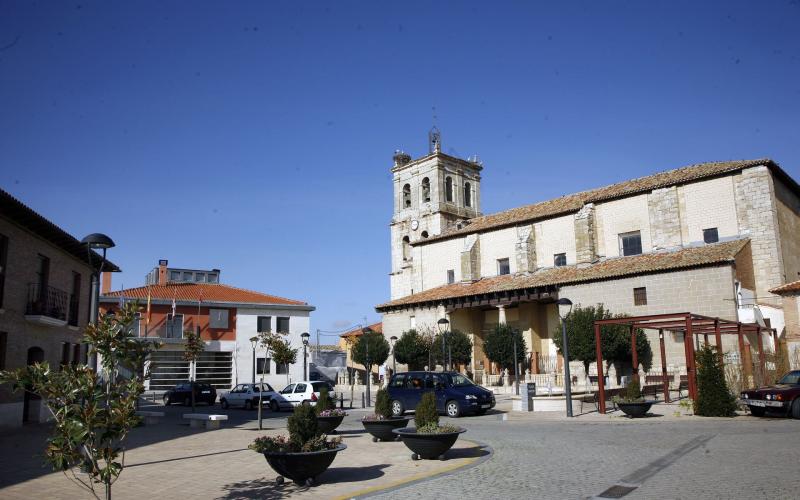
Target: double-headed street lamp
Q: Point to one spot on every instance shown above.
(393, 339)
(305, 337)
(444, 324)
(564, 309)
(96, 241)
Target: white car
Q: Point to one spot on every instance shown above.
(305, 392)
(246, 395)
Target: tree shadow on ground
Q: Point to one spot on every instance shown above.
(264, 488)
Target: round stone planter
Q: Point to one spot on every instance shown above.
(328, 425)
(428, 446)
(302, 467)
(381, 430)
(636, 410)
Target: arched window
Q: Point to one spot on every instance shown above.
(406, 248)
(448, 188)
(407, 196)
(426, 190)
(424, 234)
(467, 195)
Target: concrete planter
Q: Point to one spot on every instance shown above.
(427, 446)
(302, 467)
(328, 425)
(381, 430)
(636, 410)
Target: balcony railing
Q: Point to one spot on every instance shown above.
(74, 307)
(46, 301)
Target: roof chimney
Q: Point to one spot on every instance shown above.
(105, 283)
(162, 272)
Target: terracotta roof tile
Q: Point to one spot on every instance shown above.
(604, 269)
(573, 202)
(357, 332)
(787, 288)
(208, 292)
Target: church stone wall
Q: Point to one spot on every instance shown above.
(709, 203)
(554, 236)
(622, 216)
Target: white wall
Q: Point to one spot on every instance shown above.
(495, 245)
(437, 258)
(554, 236)
(246, 327)
(622, 216)
(708, 204)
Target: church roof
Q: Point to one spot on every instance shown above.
(201, 292)
(573, 202)
(357, 332)
(787, 288)
(691, 257)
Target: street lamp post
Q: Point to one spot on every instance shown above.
(102, 242)
(305, 337)
(443, 328)
(367, 366)
(393, 338)
(564, 309)
(253, 344)
(516, 362)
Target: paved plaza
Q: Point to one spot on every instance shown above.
(508, 454)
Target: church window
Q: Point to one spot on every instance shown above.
(407, 196)
(451, 276)
(630, 243)
(406, 248)
(426, 190)
(448, 188)
(424, 234)
(711, 235)
(467, 195)
(503, 267)
(560, 259)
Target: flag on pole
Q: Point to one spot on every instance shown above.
(147, 319)
(173, 307)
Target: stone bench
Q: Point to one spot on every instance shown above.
(150, 417)
(204, 419)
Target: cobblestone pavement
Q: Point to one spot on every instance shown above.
(660, 457)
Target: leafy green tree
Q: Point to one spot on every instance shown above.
(425, 414)
(283, 353)
(499, 346)
(412, 349)
(374, 344)
(192, 350)
(93, 413)
(714, 399)
(457, 344)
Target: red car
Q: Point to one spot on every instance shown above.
(783, 397)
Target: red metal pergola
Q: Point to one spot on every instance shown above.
(689, 324)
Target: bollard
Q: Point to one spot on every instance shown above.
(341, 401)
(363, 403)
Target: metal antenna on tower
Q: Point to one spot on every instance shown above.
(434, 136)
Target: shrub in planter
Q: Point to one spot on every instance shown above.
(305, 454)
(325, 402)
(429, 440)
(381, 423)
(426, 415)
(631, 402)
(328, 417)
(713, 397)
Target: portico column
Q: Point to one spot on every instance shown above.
(501, 310)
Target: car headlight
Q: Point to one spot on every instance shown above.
(745, 396)
(471, 396)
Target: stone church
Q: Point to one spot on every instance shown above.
(711, 238)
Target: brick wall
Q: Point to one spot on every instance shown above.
(622, 216)
(554, 236)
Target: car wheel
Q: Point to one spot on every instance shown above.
(757, 411)
(796, 408)
(224, 403)
(167, 401)
(248, 405)
(397, 408)
(273, 405)
(187, 401)
(453, 410)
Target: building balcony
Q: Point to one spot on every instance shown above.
(74, 308)
(46, 305)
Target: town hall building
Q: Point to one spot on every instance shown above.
(711, 238)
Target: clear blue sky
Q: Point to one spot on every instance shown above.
(257, 137)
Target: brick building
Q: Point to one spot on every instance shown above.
(45, 279)
(713, 238)
(228, 317)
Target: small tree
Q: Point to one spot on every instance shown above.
(458, 348)
(412, 349)
(192, 350)
(325, 402)
(426, 415)
(93, 414)
(383, 407)
(302, 426)
(499, 345)
(370, 349)
(283, 354)
(713, 397)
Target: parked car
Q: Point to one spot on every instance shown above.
(783, 397)
(305, 392)
(456, 395)
(246, 395)
(182, 393)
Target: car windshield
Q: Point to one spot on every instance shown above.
(458, 380)
(791, 378)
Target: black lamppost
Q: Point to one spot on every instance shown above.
(516, 362)
(305, 337)
(96, 241)
(367, 366)
(564, 309)
(393, 339)
(443, 327)
(253, 344)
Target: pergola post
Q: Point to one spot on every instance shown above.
(634, 354)
(762, 362)
(775, 340)
(741, 349)
(601, 386)
(663, 365)
(688, 339)
(718, 338)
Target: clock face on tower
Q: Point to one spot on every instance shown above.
(414, 225)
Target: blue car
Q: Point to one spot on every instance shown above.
(456, 395)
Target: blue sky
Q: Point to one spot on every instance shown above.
(257, 137)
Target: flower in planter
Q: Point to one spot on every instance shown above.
(333, 413)
(632, 394)
(383, 408)
(303, 436)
